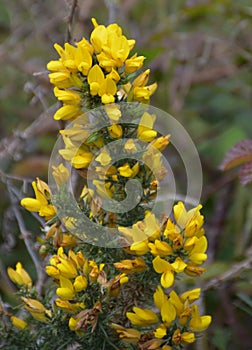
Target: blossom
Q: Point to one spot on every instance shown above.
(60, 174)
(19, 276)
(160, 248)
(41, 204)
(167, 269)
(131, 265)
(127, 171)
(143, 94)
(182, 338)
(69, 306)
(115, 284)
(129, 335)
(199, 323)
(99, 85)
(196, 248)
(191, 220)
(115, 131)
(37, 309)
(134, 63)
(104, 157)
(145, 131)
(18, 322)
(142, 317)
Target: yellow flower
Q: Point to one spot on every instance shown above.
(199, 323)
(182, 338)
(83, 59)
(191, 295)
(115, 284)
(18, 323)
(126, 171)
(114, 75)
(160, 331)
(103, 189)
(193, 270)
(67, 268)
(134, 63)
(80, 283)
(52, 271)
(142, 317)
(115, 131)
(107, 91)
(143, 94)
(104, 157)
(142, 79)
(168, 312)
(41, 203)
(36, 309)
(196, 248)
(72, 323)
(130, 146)
(19, 276)
(131, 266)
(66, 290)
(60, 79)
(161, 142)
(69, 306)
(191, 220)
(95, 270)
(82, 159)
(167, 270)
(99, 85)
(67, 96)
(145, 132)
(113, 111)
(176, 302)
(60, 174)
(139, 248)
(98, 36)
(68, 112)
(129, 335)
(95, 79)
(152, 227)
(160, 248)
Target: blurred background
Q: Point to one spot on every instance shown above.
(200, 53)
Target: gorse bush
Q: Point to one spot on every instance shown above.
(115, 267)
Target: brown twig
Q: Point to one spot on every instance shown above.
(230, 274)
(70, 20)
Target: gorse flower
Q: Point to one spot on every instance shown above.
(97, 72)
(99, 297)
(19, 276)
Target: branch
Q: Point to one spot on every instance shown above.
(70, 20)
(232, 273)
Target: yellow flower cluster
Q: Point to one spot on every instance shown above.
(176, 248)
(99, 71)
(174, 323)
(94, 288)
(74, 275)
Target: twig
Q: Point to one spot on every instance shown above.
(13, 147)
(112, 10)
(28, 242)
(70, 20)
(233, 272)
